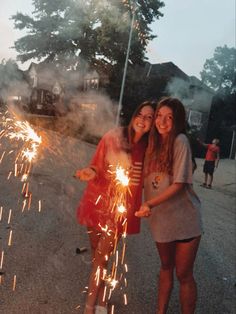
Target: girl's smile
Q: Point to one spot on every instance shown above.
(143, 121)
(164, 121)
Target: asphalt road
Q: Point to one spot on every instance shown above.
(50, 277)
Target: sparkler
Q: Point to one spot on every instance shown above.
(26, 143)
(21, 130)
(118, 191)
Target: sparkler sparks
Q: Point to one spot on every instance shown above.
(121, 187)
(122, 176)
(9, 216)
(98, 199)
(14, 283)
(1, 210)
(23, 143)
(23, 131)
(10, 238)
(28, 142)
(118, 191)
(113, 283)
(2, 256)
(121, 209)
(132, 7)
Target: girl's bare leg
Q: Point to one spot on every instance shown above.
(167, 256)
(99, 265)
(185, 257)
(94, 237)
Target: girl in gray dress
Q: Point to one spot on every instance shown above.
(171, 204)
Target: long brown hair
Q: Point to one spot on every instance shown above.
(159, 151)
(130, 130)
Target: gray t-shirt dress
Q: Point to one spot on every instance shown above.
(179, 217)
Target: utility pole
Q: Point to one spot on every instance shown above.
(125, 69)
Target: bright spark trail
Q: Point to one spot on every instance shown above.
(119, 191)
(23, 142)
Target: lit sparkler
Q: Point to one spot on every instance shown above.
(21, 130)
(122, 176)
(111, 282)
(26, 143)
(119, 191)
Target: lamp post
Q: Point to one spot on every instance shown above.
(125, 69)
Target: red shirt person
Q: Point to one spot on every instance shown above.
(211, 161)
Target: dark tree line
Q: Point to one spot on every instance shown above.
(219, 73)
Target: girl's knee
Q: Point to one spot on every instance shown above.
(167, 267)
(184, 277)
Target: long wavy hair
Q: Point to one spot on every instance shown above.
(159, 156)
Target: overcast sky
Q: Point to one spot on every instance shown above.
(188, 33)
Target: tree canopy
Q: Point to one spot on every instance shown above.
(68, 32)
(219, 74)
(219, 71)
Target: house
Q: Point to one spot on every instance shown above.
(53, 89)
(153, 81)
(47, 88)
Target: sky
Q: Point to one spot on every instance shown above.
(187, 34)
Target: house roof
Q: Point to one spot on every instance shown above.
(166, 70)
(47, 73)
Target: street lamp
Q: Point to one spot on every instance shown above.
(125, 69)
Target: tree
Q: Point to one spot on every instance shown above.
(219, 72)
(74, 32)
(11, 80)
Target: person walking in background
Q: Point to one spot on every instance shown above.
(171, 204)
(96, 209)
(211, 161)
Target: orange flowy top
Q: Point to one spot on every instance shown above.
(96, 207)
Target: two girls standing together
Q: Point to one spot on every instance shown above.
(172, 207)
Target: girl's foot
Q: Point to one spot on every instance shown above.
(209, 186)
(88, 309)
(204, 185)
(100, 309)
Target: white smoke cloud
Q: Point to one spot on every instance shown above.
(90, 114)
(194, 97)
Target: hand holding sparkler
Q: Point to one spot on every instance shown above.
(85, 174)
(144, 211)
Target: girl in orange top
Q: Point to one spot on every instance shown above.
(121, 146)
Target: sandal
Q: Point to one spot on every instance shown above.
(204, 185)
(209, 186)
